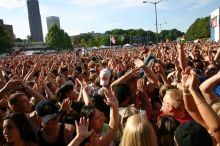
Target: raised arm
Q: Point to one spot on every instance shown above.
(11, 84)
(1, 74)
(209, 116)
(159, 69)
(86, 98)
(216, 58)
(124, 79)
(148, 72)
(31, 72)
(181, 56)
(81, 132)
(189, 102)
(36, 94)
(207, 88)
(111, 101)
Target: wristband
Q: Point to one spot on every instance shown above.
(186, 93)
(203, 101)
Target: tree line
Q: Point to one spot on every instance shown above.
(59, 39)
(130, 36)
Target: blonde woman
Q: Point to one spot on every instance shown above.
(138, 132)
(129, 111)
(216, 108)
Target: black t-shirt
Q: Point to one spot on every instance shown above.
(59, 141)
(77, 106)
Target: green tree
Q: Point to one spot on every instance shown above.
(172, 34)
(18, 40)
(6, 42)
(58, 39)
(122, 37)
(199, 29)
(83, 43)
(67, 41)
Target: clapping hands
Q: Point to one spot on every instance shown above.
(190, 79)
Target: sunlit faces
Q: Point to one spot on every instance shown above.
(166, 105)
(211, 70)
(10, 131)
(23, 104)
(97, 121)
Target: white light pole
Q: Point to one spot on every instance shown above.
(155, 4)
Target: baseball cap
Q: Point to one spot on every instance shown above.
(192, 134)
(104, 76)
(47, 110)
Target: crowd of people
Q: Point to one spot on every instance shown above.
(162, 95)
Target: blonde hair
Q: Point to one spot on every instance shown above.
(138, 132)
(216, 108)
(129, 111)
(176, 97)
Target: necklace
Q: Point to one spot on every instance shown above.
(50, 138)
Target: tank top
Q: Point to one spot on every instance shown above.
(59, 141)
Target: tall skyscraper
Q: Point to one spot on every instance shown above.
(53, 20)
(35, 20)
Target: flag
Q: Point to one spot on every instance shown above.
(112, 39)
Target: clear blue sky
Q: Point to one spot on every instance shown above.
(79, 16)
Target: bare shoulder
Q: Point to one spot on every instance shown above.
(69, 132)
(69, 127)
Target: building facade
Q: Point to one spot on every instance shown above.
(35, 20)
(8, 28)
(53, 20)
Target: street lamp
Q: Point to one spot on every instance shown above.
(155, 4)
(161, 29)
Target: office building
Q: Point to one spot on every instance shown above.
(35, 20)
(8, 28)
(53, 20)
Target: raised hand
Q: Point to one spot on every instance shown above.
(79, 82)
(66, 105)
(38, 84)
(141, 84)
(158, 68)
(110, 100)
(138, 63)
(37, 67)
(42, 73)
(179, 46)
(14, 82)
(186, 78)
(194, 81)
(82, 128)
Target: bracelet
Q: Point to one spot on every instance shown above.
(203, 101)
(186, 93)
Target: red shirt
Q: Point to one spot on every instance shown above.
(185, 119)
